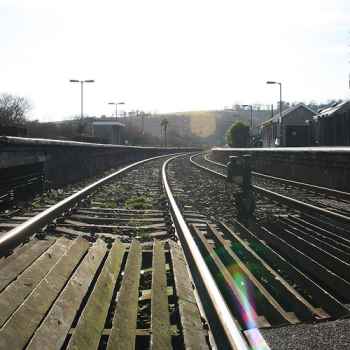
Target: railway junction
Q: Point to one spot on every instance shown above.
(115, 247)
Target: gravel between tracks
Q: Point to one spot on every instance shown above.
(208, 195)
(211, 195)
(50, 196)
(205, 193)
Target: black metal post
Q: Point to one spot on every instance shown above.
(280, 84)
(81, 99)
(251, 118)
(165, 136)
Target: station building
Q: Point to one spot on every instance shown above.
(291, 129)
(108, 130)
(331, 126)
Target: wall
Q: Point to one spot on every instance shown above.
(65, 162)
(322, 166)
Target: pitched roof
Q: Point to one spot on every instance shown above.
(109, 123)
(286, 112)
(338, 107)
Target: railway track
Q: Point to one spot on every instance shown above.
(105, 268)
(330, 200)
(19, 183)
(108, 267)
(285, 272)
(15, 208)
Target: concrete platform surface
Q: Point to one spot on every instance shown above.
(332, 335)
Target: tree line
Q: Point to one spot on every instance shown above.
(14, 121)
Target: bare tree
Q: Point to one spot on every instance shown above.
(13, 109)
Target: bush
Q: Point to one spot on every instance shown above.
(238, 135)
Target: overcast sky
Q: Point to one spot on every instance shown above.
(161, 55)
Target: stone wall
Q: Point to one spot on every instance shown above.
(66, 162)
(322, 166)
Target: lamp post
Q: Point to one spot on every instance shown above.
(251, 116)
(81, 93)
(251, 122)
(143, 114)
(164, 125)
(280, 84)
(116, 107)
(278, 141)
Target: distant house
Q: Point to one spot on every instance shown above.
(331, 126)
(108, 130)
(289, 129)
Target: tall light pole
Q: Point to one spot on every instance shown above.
(116, 107)
(164, 124)
(251, 122)
(280, 84)
(280, 140)
(82, 93)
(143, 114)
(251, 116)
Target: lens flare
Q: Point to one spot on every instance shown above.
(246, 301)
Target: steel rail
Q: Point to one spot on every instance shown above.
(330, 191)
(24, 230)
(233, 334)
(284, 199)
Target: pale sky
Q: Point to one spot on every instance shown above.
(161, 55)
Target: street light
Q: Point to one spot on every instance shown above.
(116, 107)
(251, 116)
(81, 92)
(280, 84)
(143, 114)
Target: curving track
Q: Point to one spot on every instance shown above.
(105, 268)
(153, 257)
(331, 200)
(293, 259)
